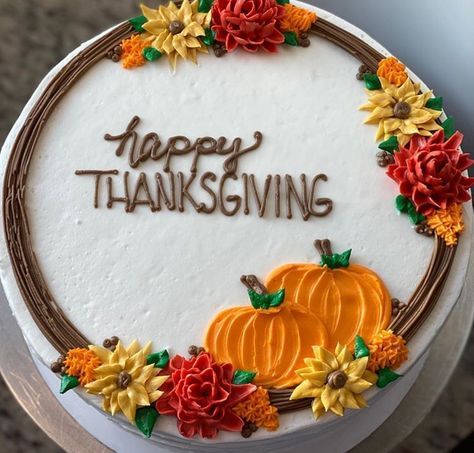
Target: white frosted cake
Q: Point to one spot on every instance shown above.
(286, 261)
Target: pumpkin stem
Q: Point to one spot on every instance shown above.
(253, 283)
(323, 246)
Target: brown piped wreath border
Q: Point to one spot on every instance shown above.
(52, 322)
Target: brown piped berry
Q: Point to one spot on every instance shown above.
(247, 430)
(115, 58)
(363, 69)
(200, 349)
(107, 343)
(252, 426)
(56, 367)
(114, 54)
(304, 42)
(219, 49)
(193, 350)
(114, 340)
(424, 229)
(384, 158)
(118, 50)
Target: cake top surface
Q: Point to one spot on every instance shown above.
(120, 259)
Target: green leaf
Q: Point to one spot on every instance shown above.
(68, 383)
(266, 301)
(243, 377)
(138, 22)
(385, 376)
(390, 145)
(372, 82)
(204, 6)
(145, 419)
(336, 260)
(414, 216)
(151, 54)
(448, 126)
(282, 2)
(360, 348)
(290, 38)
(209, 37)
(402, 203)
(435, 103)
(159, 359)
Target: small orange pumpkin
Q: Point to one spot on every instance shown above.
(349, 299)
(271, 338)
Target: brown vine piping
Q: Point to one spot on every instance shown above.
(53, 323)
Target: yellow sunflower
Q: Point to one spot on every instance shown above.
(335, 381)
(400, 111)
(175, 31)
(124, 379)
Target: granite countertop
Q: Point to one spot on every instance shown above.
(34, 38)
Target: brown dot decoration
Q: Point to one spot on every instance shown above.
(384, 158)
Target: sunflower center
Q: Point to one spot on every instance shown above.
(337, 379)
(175, 27)
(401, 110)
(124, 379)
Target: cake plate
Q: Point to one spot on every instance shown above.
(24, 376)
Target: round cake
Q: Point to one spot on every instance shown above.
(248, 246)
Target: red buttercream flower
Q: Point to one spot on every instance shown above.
(200, 394)
(429, 172)
(251, 24)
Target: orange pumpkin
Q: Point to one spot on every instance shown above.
(272, 341)
(349, 299)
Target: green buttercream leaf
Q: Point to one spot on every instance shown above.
(68, 383)
(204, 6)
(414, 216)
(266, 301)
(151, 54)
(283, 2)
(209, 37)
(435, 103)
(448, 126)
(138, 22)
(406, 206)
(243, 377)
(372, 82)
(390, 145)
(290, 38)
(336, 260)
(360, 348)
(159, 359)
(145, 419)
(402, 203)
(385, 376)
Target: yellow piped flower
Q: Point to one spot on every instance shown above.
(400, 111)
(335, 381)
(256, 408)
(124, 379)
(447, 223)
(175, 31)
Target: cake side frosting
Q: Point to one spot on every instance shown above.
(84, 151)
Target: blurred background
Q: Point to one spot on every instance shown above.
(433, 37)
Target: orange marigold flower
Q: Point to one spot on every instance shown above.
(392, 70)
(447, 223)
(81, 362)
(297, 20)
(386, 350)
(132, 49)
(256, 408)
